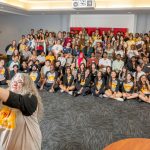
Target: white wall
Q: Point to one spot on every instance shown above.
(13, 26)
(112, 21)
(143, 23)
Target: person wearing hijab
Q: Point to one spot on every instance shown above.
(80, 60)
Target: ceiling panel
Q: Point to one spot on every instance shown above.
(29, 7)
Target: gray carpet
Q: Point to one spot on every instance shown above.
(89, 123)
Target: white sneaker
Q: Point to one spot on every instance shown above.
(105, 95)
(100, 96)
(61, 91)
(78, 92)
(70, 92)
(119, 99)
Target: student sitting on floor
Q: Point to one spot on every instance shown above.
(60, 70)
(2, 73)
(14, 71)
(144, 89)
(83, 84)
(35, 75)
(81, 70)
(99, 85)
(138, 73)
(93, 72)
(44, 69)
(24, 67)
(107, 74)
(68, 82)
(50, 81)
(113, 87)
(128, 90)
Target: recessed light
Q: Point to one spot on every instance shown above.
(129, 12)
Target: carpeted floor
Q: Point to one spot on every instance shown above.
(89, 123)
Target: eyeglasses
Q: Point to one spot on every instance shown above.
(17, 82)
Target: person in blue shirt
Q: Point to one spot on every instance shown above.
(67, 49)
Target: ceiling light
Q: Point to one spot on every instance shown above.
(129, 12)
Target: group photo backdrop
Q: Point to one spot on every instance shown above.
(103, 22)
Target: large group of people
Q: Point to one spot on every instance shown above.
(101, 64)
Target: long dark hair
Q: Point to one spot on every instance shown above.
(136, 73)
(121, 73)
(132, 78)
(110, 80)
(140, 83)
(93, 63)
(101, 75)
(110, 70)
(80, 67)
(67, 69)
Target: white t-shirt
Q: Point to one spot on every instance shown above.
(109, 53)
(96, 41)
(62, 60)
(41, 58)
(57, 48)
(121, 52)
(117, 65)
(139, 42)
(45, 69)
(132, 53)
(139, 75)
(105, 63)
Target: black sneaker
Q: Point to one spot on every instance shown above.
(125, 99)
(74, 94)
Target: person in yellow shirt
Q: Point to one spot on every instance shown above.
(130, 42)
(112, 87)
(128, 89)
(10, 49)
(144, 89)
(35, 75)
(50, 57)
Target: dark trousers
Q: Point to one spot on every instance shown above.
(85, 91)
(48, 86)
(3, 82)
(101, 91)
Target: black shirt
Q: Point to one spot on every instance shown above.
(27, 104)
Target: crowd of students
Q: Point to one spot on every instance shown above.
(103, 64)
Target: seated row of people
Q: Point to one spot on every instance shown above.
(84, 82)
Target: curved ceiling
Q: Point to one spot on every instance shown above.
(102, 6)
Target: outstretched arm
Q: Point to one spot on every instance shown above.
(4, 94)
(27, 104)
